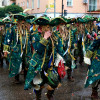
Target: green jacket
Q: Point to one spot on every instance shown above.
(20, 50)
(42, 52)
(93, 53)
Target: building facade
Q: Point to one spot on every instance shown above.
(72, 8)
(4, 3)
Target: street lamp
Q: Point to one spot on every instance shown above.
(62, 7)
(54, 8)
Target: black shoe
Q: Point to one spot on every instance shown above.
(38, 94)
(50, 94)
(16, 82)
(94, 94)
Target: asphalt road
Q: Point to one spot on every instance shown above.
(68, 91)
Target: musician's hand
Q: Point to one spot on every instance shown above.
(66, 68)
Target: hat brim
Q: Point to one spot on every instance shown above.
(57, 21)
(20, 17)
(30, 17)
(42, 21)
(7, 21)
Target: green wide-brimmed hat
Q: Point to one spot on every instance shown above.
(73, 20)
(29, 16)
(30, 19)
(58, 20)
(43, 20)
(81, 20)
(7, 21)
(68, 20)
(20, 16)
(88, 18)
(95, 19)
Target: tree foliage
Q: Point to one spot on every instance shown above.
(11, 8)
(2, 12)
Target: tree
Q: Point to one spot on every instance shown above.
(13, 9)
(2, 12)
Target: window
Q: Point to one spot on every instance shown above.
(38, 6)
(3, 4)
(92, 5)
(18, 4)
(85, 1)
(27, 3)
(69, 2)
(32, 4)
(23, 3)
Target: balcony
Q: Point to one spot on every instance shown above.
(94, 12)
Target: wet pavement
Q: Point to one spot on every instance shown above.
(68, 91)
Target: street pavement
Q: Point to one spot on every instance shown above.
(68, 91)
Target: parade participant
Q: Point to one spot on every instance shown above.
(60, 23)
(70, 56)
(92, 59)
(72, 47)
(79, 37)
(1, 41)
(93, 29)
(90, 30)
(33, 29)
(22, 49)
(41, 69)
(9, 44)
(16, 42)
(27, 54)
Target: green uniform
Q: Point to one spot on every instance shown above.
(17, 44)
(40, 59)
(93, 53)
